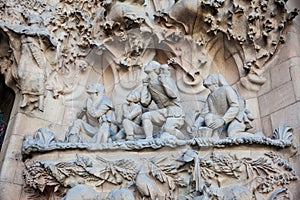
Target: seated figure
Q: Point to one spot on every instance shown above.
(160, 88)
(224, 110)
(132, 116)
(94, 122)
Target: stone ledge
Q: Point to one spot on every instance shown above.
(156, 144)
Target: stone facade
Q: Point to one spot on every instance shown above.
(147, 99)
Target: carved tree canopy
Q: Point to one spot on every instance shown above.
(55, 48)
(187, 34)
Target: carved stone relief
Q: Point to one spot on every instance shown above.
(154, 110)
(186, 175)
(52, 39)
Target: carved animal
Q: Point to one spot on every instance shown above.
(122, 194)
(82, 192)
(238, 192)
(85, 192)
(146, 186)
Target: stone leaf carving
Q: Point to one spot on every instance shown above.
(42, 137)
(69, 174)
(283, 133)
(186, 175)
(50, 39)
(86, 192)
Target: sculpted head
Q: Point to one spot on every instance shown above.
(152, 66)
(134, 97)
(214, 81)
(95, 88)
(164, 69)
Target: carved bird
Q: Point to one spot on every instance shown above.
(147, 186)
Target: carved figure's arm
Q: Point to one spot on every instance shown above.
(135, 112)
(106, 105)
(169, 86)
(200, 116)
(145, 94)
(233, 101)
(83, 110)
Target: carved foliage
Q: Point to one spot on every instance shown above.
(185, 175)
(283, 133)
(84, 30)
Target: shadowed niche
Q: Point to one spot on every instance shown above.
(7, 97)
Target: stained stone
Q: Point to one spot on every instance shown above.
(157, 99)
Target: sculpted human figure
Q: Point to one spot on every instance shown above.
(32, 64)
(160, 88)
(224, 109)
(98, 112)
(132, 116)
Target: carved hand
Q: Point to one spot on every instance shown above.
(146, 81)
(192, 128)
(81, 114)
(217, 123)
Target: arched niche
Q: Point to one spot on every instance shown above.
(7, 98)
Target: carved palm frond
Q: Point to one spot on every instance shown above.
(164, 173)
(124, 168)
(283, 133)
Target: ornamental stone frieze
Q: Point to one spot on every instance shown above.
(146, 99)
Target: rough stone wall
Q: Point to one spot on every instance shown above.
(279, 97)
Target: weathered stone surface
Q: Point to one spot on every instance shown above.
(8, 170)
(13, 148)
(10, 190)
(266, 87)
(280, 74)
(289, 115)
(252, 104)
(276, 99)
(295, 73)
(257, 126)
(267, 126)
(18, 176)
(138, 142)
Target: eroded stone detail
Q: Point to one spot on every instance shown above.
(224, 110)
(187, 175)
(223, 120)
(98, 121)
(157, 54)
(52, 39)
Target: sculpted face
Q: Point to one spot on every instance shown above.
(94, 95)
(152, 66)
(212, 87)
(211, 83)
